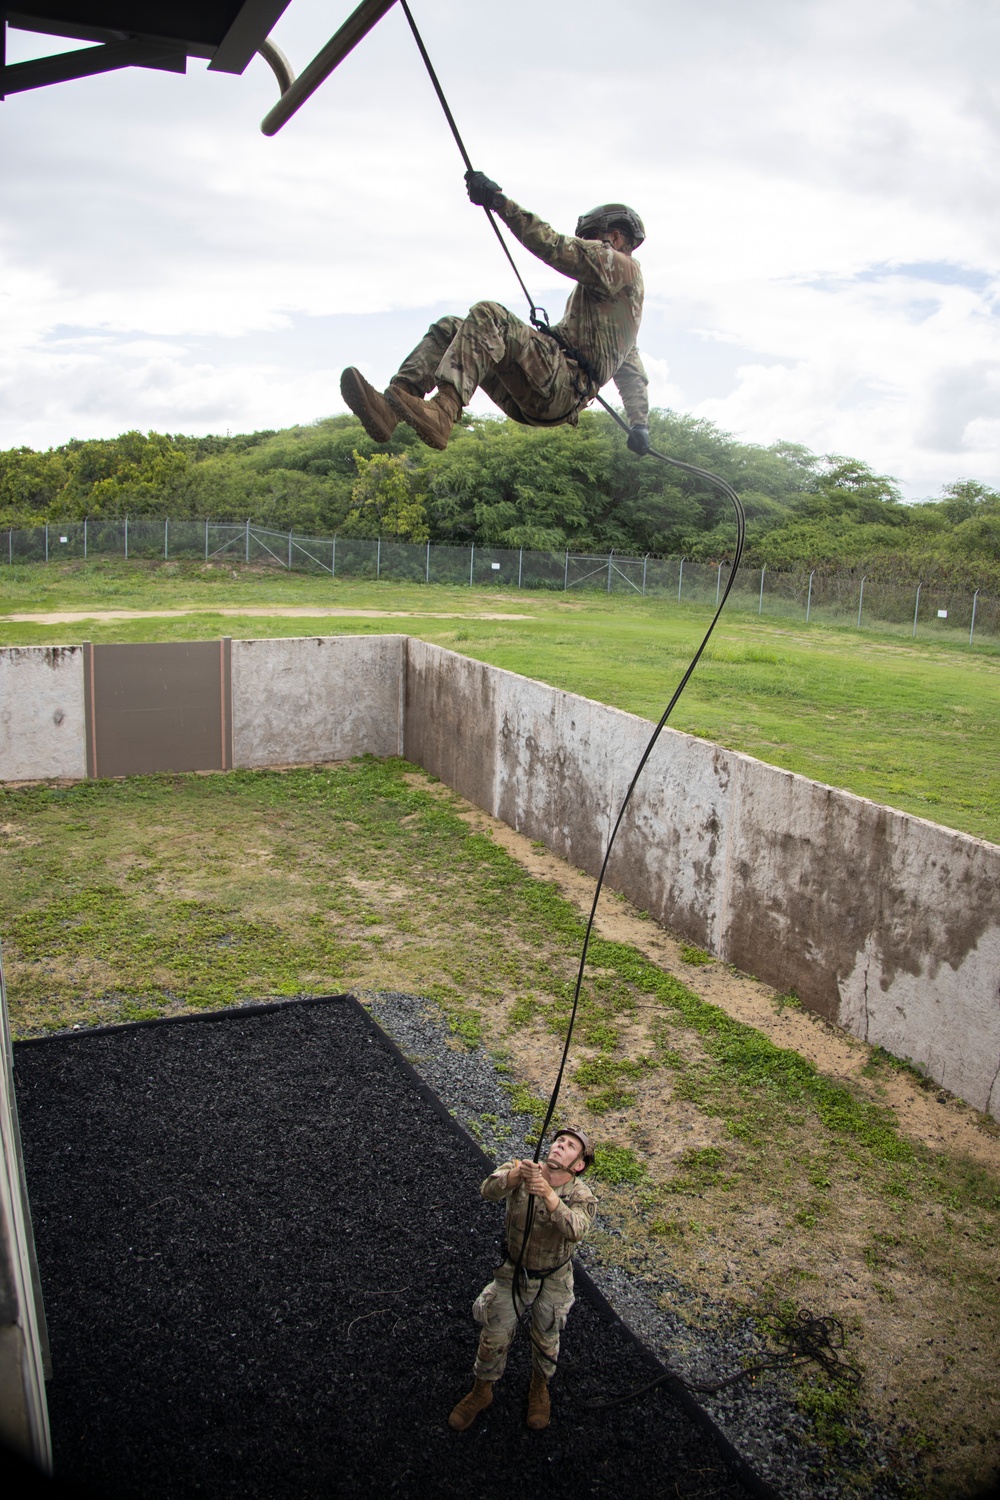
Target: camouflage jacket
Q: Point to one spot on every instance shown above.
(555, 1236)
(603, 313)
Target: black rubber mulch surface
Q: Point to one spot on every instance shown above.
(260, 1238)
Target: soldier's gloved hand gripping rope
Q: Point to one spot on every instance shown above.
(483, 191)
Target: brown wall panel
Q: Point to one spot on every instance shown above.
(158, 707)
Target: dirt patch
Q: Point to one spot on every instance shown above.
(289, 612)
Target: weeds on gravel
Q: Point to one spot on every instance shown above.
(617, 1164)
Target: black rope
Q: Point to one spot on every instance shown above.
(805, 1337)
(539, 317)
(677, 463)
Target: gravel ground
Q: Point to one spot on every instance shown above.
(699, 1340)
(259, 1238)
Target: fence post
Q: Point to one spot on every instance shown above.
(680, 580)
(248, 540)
(645, 560)
(289, 549)
(760, 602)
(973, 625)
(861, 599)
(378, 558)
(46, 541)
(427, 570)
(472, 562)
(916, 609)
(166, 539)
(610, 556)
(520, 565)
(126, 538)
(718, 586)
(206, 539)
(85, 538)
(566, 572)
(10, 545)
(333, 559)
(809, 597)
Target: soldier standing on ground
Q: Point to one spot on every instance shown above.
(564, 1211)
(531, 375)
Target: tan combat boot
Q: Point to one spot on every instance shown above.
(539, 1406)
(376, 415)
(468, 1409)
(431, 420)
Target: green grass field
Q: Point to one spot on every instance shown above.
(912, 724)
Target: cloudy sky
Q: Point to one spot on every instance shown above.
(819, 183)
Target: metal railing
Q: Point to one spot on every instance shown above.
(815, 597)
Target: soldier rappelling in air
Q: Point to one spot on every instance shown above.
(539, 376)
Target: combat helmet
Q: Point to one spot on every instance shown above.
(585, 1142)
(607, 216)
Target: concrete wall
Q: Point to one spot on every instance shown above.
(317, 698)
(42, 721)
(884, 923)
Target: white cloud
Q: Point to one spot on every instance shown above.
(164, 264)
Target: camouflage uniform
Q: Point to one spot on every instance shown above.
(554, 1239)
(524, 371)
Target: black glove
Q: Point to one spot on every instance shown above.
(638, 439)
(483, 191)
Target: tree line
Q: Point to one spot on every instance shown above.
(504, 485)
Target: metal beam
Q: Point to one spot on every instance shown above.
(40, 24)
(357, 25)
(21, 22)
(278, 63)
(41, 71)
(245, 35)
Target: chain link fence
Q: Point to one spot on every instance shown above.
(828, 598)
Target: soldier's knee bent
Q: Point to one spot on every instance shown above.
(487, 311)
(449, 325)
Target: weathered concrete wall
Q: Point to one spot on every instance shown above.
(42, 720)
(885, 923)
(317, 698)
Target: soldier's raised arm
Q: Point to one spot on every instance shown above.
(590, 262)
(502, 1181)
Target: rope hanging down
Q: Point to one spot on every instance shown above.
(804, 1336)
(539, 319)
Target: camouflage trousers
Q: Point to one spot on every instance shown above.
(550, 1299)
(523, 371)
